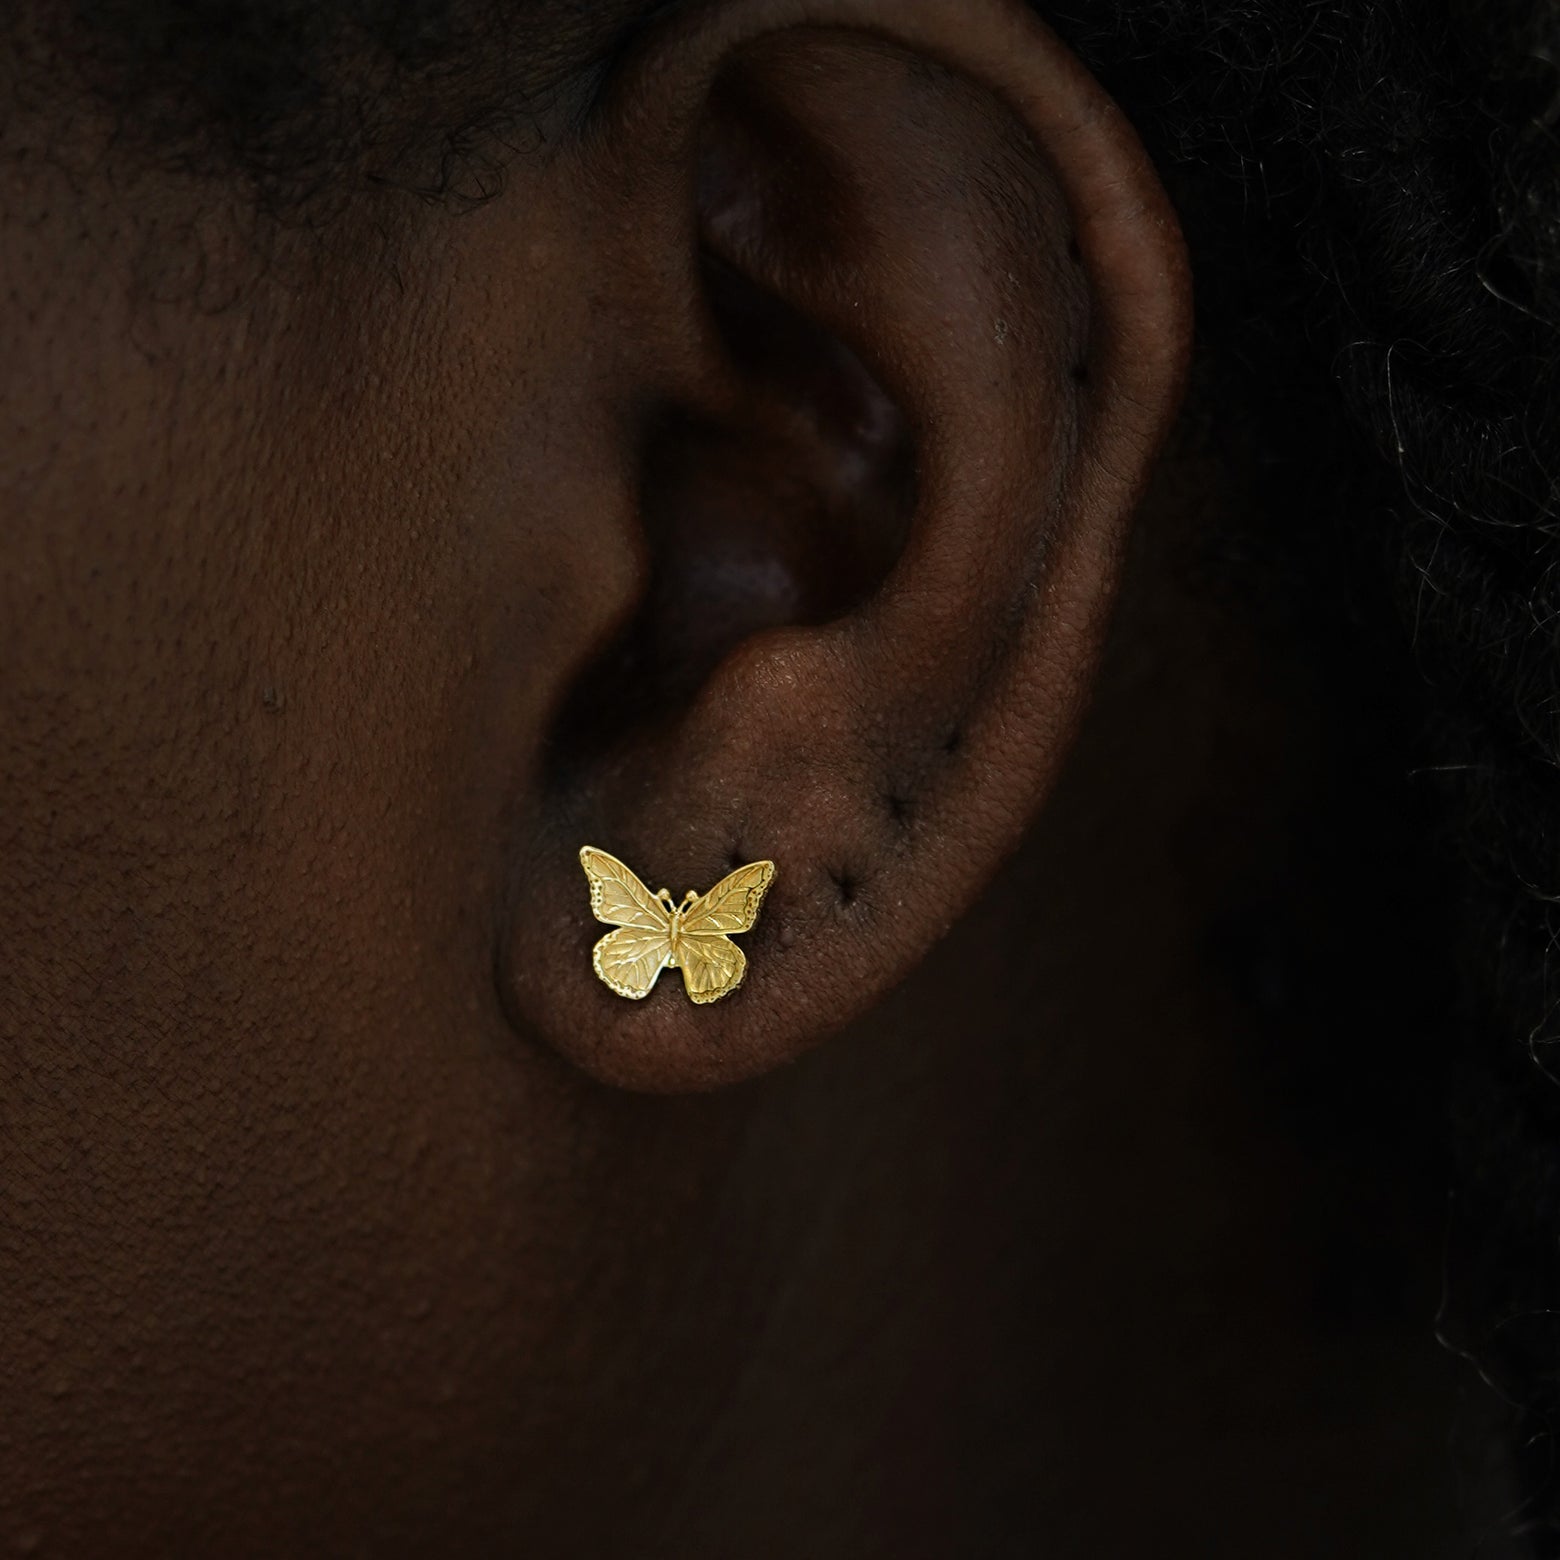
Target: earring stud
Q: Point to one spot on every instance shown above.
(656, 933)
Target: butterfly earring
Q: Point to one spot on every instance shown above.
(655, 933)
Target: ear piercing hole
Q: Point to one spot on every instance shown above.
(846, 886)
(1080, 373)
(953, 741)
(898, 809)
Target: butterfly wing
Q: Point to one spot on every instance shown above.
(712, 965)
(734, 902)
(630, 960)
(618, 898)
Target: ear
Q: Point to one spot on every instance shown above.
(898, 312)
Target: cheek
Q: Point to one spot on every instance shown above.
(283, 619)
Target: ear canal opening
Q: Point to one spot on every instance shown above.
(791, 504)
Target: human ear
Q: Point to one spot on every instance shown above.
(898, 313)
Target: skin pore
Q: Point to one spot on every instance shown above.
(342, 600)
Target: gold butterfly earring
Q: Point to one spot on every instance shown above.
(656, 933)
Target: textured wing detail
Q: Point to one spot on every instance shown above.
(618, 898)
(733, 904)
(712, 965)
(630, 961)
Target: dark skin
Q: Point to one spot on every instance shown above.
(341, 1209)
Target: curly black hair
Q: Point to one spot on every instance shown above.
(1371, 191)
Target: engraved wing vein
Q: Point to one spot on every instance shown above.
(712, 965)
(618, 898)
(734, 902)
(630, 961)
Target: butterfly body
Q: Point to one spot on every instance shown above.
(654, 933)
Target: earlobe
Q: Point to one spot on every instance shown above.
(915, 244)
